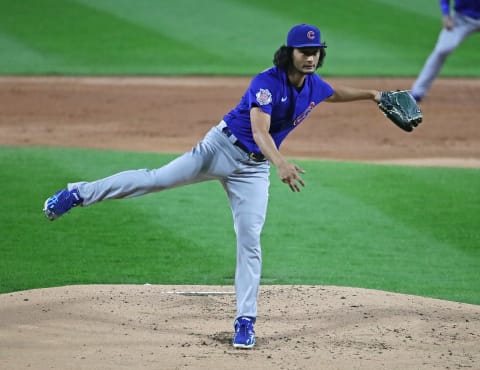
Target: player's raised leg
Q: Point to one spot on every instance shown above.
(194, 166)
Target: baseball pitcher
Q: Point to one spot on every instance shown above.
(239, 151)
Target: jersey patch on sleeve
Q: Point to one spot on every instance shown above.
(264, 96)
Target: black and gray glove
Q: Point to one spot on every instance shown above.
(401, 108)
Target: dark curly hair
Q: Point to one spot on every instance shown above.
(283, 57)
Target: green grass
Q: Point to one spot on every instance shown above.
(401, 229)
(219, 37)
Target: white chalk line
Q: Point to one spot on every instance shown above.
(197, 293)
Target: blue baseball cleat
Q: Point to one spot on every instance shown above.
(244, 336)
(61, 202)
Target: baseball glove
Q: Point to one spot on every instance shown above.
(401, 108)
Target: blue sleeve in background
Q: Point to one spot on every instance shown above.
(469, 8)
(445, 6)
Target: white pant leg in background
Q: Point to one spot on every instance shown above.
(447, 42)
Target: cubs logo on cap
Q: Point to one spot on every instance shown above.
(304, 36)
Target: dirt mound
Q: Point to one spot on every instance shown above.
(172, 327)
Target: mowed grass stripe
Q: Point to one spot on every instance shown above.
(425, 8)
(346, 228)
(359, 37)
(233, 37)
(20, 56)
(348, 239)
(88, 40)
(130, 241)
(230, 30)
(448, 196)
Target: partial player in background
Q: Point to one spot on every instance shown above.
(238, 152)
(457, 25)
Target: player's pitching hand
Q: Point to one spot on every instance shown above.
(448, 22)
(289, 174)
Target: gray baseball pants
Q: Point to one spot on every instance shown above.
(245, 181)
(447, 42)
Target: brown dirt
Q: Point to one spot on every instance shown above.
(170, 115)
(299, 327)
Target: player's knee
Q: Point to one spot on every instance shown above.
(249, 240)
(444, 51)
(249, 223)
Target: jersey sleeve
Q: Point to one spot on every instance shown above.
(325, 90)
(261, 93)
(445, 7)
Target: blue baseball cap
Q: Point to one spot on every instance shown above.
(304, 36)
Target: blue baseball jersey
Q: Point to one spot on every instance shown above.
(470, 8)
(272, 92)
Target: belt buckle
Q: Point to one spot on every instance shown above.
(256, 157)
(227, 131)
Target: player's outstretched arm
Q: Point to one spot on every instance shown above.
(343, 94)
(288, 172)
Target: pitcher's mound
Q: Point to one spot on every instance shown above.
(190, 327)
